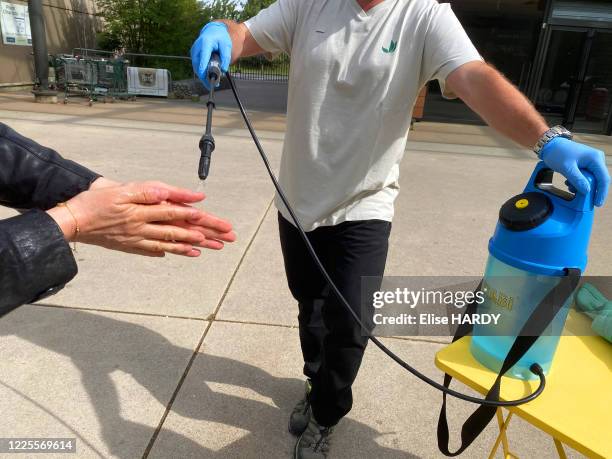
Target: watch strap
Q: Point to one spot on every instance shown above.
(552, 133)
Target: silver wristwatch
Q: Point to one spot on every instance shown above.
(553, 132)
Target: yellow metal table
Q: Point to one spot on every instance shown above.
(576, 405)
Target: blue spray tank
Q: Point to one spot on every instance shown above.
(540, 234)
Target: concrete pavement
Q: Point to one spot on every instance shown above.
(179, 358)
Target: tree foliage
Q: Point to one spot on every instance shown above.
(166, 27)
(252, 7)
(159, 26)
(220, 9)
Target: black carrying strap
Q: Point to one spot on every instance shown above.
(541, 317)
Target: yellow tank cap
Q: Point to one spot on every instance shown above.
(521, 203)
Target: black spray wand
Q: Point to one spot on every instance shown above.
(207, 142)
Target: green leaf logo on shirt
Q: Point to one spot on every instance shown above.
(392, 47)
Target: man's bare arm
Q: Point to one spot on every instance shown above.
(243, 43)
(498, 102)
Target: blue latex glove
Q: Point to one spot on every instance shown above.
(568, 157)
(214, 36)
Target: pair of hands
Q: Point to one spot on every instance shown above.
(150, 218)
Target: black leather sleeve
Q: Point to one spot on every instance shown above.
(35, 259)
(36, 177)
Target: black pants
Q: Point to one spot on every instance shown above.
(332, 342)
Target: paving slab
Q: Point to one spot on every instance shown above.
(237, 189)
(259, 292)
(237, 396)
(160, 123)
(102, 378)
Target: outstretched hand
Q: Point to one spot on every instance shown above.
(150, 218)
(215, 230)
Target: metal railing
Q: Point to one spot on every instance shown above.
(178, 66)
(261, 68)
(248, 68)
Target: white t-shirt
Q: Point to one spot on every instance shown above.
(353, 81)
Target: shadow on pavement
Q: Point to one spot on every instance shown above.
(99, 345)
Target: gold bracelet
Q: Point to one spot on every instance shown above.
(77, 230)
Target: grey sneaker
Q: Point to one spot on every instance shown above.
(298, 421)
(314, 443)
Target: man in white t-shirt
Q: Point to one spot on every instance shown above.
(356, 69)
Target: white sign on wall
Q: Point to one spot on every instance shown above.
(148, 82)
(15, 24)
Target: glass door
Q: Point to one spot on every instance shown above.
(593, 111)
(575, 88)
(561, 75)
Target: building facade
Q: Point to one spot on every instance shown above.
(69, 24)
(558, 52)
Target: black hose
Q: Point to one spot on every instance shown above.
(536, 369)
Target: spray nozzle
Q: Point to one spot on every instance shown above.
(207, 146)
(207, 142)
